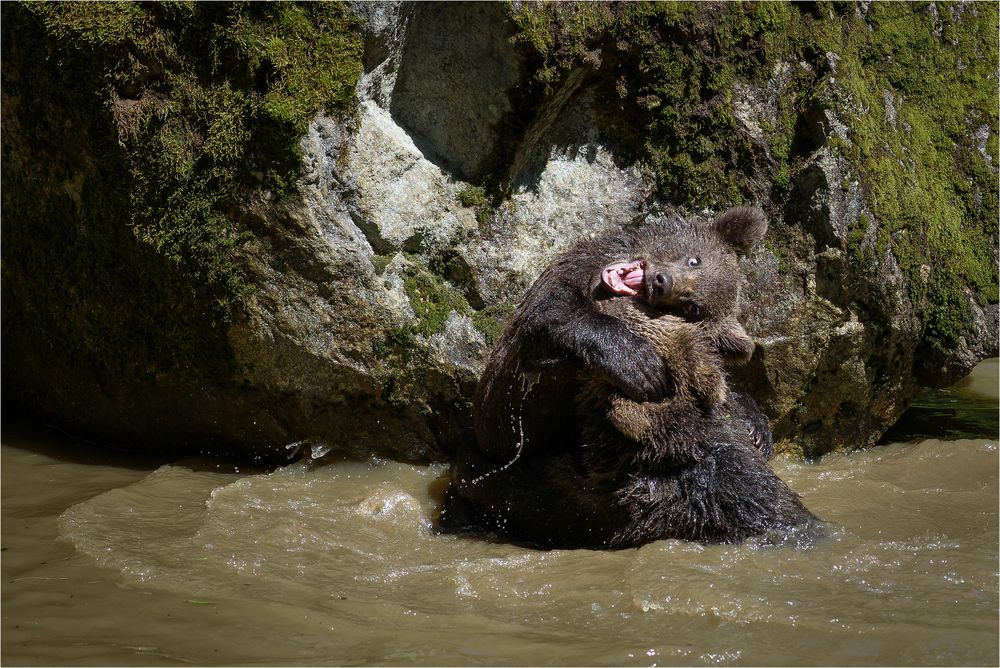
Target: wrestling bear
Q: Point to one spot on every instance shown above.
(603, 418)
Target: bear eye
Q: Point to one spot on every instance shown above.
(694, 261)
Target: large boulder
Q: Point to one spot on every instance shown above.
(348, 302)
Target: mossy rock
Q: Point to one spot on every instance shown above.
(132, 134)
(673, 69)
(152, 161)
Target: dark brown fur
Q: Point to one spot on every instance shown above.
(603, 422)
(693, 357)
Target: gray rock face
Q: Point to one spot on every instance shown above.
(837, 341)
(379, 285)
(341, 316)
(456, 74)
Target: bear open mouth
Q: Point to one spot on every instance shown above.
(624, 278)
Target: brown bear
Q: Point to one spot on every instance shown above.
(603, 418)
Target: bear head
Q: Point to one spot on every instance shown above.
(687, 267)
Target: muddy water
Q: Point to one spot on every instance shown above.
(130, 562)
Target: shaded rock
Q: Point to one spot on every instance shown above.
(453, 86)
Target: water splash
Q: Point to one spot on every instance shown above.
(318, 450)
(528, 381)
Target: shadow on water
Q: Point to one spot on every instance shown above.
(947, 414)
(27, 431)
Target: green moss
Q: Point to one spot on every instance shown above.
(674, 67)
(380, 262)
(308, 54)
(780, 252)
(432, 299)
(476, 198)
(490, 321)
(98, 24)
(561, 34)
(403, 364)
(136, 130)
(431, 289)
(203, 95)
(932, 192)
(471, 196)
(408, 372)
(861, 253)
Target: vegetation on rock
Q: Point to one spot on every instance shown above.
(155, 120)
(134, 134)
(915, 84)
(141, 142)
(915, 91)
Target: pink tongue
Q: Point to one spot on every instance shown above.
(633, 279)
(623, 278)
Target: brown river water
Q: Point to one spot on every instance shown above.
(111, 560)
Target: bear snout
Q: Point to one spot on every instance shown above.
(659, 288)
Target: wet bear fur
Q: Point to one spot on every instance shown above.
(604, 421)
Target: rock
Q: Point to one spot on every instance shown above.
(362, 297)
(457, 71)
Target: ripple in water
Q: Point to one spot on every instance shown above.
(906, 573)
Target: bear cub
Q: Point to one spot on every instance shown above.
(603, 418)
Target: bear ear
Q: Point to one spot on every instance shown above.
(741, 227)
